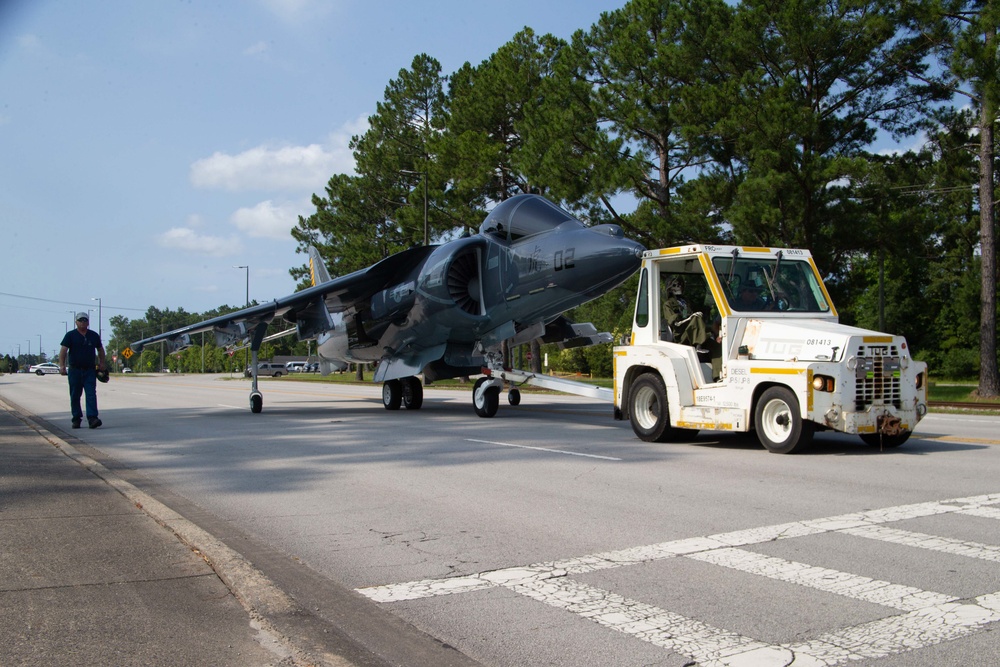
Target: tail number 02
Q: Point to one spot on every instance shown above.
(564, 259)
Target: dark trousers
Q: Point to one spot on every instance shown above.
(82, 381)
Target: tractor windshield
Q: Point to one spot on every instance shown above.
(752, 283)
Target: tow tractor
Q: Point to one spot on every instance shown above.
(737, 338)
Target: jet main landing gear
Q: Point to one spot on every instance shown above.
(405, 392)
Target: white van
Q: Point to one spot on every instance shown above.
(295, 366)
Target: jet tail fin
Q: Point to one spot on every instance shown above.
(317, 268)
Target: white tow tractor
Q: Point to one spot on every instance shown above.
(734, 338)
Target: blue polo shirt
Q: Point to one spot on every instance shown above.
(82, 348)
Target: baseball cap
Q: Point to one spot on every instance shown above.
(82, 316)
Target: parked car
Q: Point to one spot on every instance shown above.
(295, 366)
(267, 368)
(44, 369)
(126, 370)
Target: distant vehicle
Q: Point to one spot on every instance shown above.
(126, 370)
(296, 366)
(44, 369)
(268, 368)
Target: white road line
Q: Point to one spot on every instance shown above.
(611, 559)
(897, 634)
(708, 645)
(823, 579)
(543, 449)
(930, 542)
(985, 512)
(716, 647)
(930, 618)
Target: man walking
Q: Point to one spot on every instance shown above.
(82, 345)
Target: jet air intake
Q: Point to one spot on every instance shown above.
(464, 285)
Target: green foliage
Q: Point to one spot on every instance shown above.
(750, 123)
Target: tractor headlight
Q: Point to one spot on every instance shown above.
(823, 383)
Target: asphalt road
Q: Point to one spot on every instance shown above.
(550, 535)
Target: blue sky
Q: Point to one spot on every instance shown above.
(148, 147)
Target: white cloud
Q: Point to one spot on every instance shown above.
(285, 168)
(182, 238)
(268, 220)
(263, 168)
(257, 49)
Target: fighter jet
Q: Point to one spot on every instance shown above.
(444, 310)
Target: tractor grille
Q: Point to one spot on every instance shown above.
(877, 377)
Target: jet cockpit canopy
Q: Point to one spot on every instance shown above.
(522, 216)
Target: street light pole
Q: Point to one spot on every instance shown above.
(99, 316)
(246, 351)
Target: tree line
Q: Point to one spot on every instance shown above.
(685, 121)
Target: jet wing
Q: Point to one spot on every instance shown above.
(309, 309)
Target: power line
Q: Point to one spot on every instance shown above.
(68, 303)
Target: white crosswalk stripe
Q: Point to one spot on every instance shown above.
(929, 617)
(930, 542)
(823, 579)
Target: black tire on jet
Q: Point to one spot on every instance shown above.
(514, 396)
(256, 403)
(392, 394)
(490, 403)
(413, 393)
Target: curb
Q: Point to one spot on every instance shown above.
(256, 593)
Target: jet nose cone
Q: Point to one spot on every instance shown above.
(615, 258)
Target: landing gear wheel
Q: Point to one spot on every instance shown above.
(514, 396)
(413, 393)
(885, 441)
(256, 403)
(780, 427)
(392, 394)
(489, 403)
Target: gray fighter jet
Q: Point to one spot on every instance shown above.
(444, 310)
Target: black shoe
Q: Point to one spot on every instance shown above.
(94, 422)
(76, 423)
